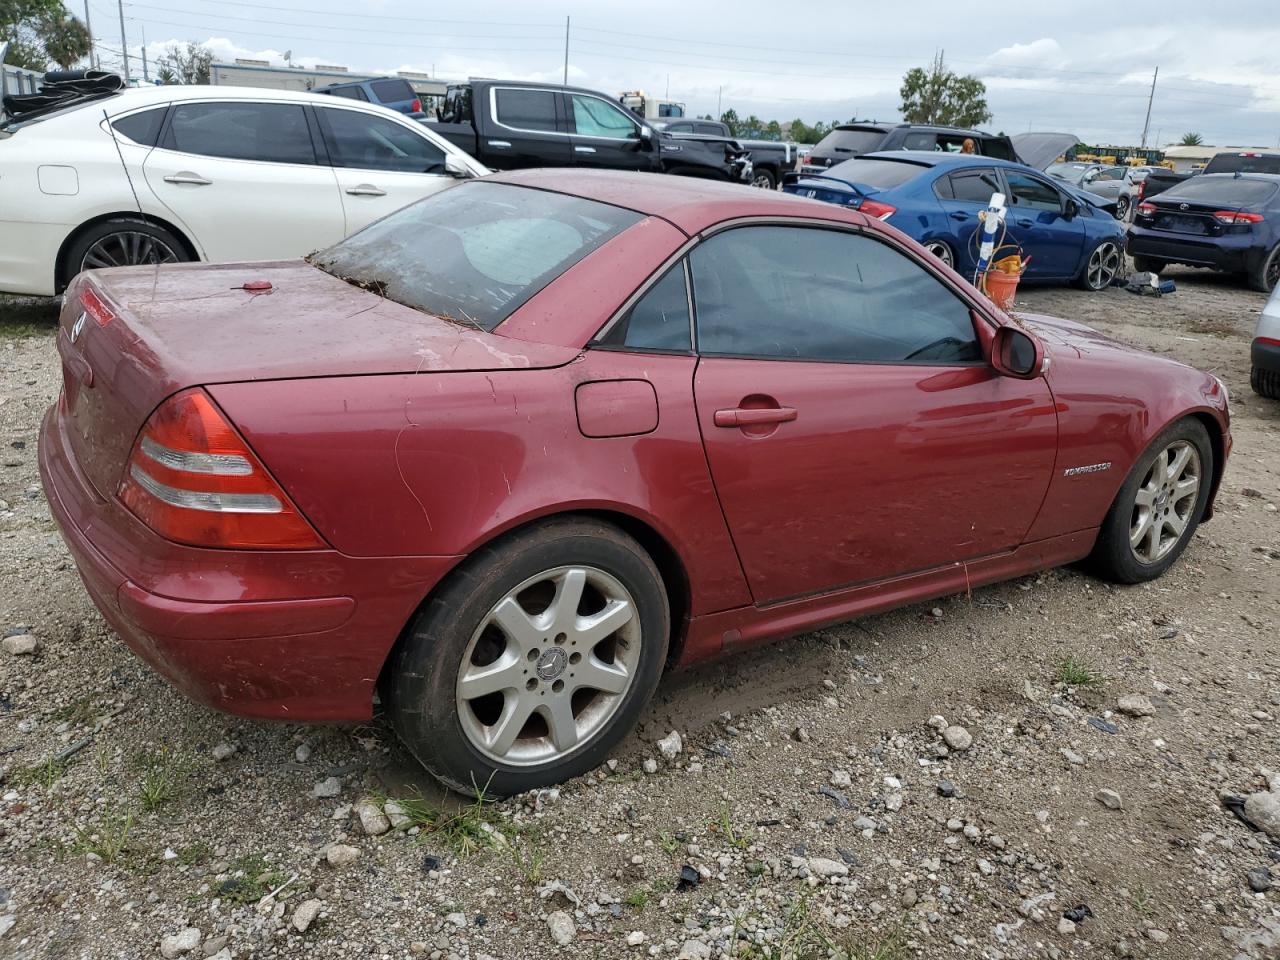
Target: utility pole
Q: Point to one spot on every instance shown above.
(719, 95)
(89, 26)
(566, 51)
(124, 41)
(146, 76)
(1146, 125)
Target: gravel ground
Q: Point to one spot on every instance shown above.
(820, 802)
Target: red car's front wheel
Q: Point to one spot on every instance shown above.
(533, 660)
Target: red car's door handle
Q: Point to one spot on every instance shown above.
(748, 417)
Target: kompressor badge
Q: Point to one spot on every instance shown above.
(1091, 468)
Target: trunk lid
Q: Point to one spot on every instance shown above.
(195, 324)
(1189, 207)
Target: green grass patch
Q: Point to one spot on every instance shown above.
(467, 830)
(109, 839)
(251, 878)
(44, 774)
(1075, 672)
(22, 318)
(162, 777)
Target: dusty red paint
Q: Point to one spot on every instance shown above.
(409, 441)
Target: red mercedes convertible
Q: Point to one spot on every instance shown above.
(506, 455)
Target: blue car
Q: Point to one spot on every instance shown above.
(935, 198)
(1224, 221)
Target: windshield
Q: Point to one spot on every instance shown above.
(1244, 163)
(475, 252)
(1229, 191)
(850, 141)
(881, 174)
(1070, 172)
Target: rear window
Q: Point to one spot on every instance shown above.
(351, 93)
(389, 91)
(881, 174)
(1227, 191)
(474, 253)
(143, 127)
(1235, 163)
(850, 141)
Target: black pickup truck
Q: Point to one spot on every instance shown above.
(508, 125)
(770, 159)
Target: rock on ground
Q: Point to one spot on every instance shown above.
(957, 738)
(372, 820)
(22, 645)
(1109, 799)
(1136, 705)
(342, 855)
(562, 928)
(306, 913)
(1263, 810)
(176, 944)
(671, 745)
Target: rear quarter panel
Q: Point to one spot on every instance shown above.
(439, 464)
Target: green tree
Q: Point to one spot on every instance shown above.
(752, 127)
(773, 130)
(730, 119)
(1191, 140)
(937, 95)
(191, 65)
(40, 32)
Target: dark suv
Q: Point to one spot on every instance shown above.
(848, 140)
(393, 92)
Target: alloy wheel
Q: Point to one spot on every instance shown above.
(1104, 264)
(549, 666)
(1122, 208)
(941, 251)
(762, 181)
(127, 248)
(1165, 502)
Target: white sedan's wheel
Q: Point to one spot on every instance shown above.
(549, 666)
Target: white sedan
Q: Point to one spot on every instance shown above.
(163, 174)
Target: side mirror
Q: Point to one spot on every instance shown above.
(646, 133)
(1091, 176)
(455, 167)
(1072, 209)
(1017, 354)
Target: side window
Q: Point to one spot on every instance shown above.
(711, 130)
(1032, 193)
(268, 132)
(659, 320)
(795, 293)
(974, 186)
(592, 117)
(351, 93)
(142, 128)
(526, 109)
(919, 141)
(359, 139)
(1112, 173)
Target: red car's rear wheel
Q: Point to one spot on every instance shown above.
(533, 660)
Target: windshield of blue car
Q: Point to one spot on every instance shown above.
(476, 252)
(1229, 191)
(849, 141)
(874, 172)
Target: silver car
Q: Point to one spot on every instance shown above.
(1264, 355)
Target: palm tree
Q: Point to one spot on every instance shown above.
(1192, 140)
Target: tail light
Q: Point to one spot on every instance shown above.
(416, 106)
(94, 307)
(1142, 188)
(192, 479)
(1146, 209)
(874, 208)
(1234, 217)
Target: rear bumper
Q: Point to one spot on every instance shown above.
(1265, 356)
(299, 635)
(1231, 253)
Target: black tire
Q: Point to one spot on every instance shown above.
(421, 687)
(1112, 558)
(1122, 207)
(1265, 383)
(1148, 264)
(133, 233)
(764, 179)
(1266, 274)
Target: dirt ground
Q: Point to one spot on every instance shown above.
(812, 808)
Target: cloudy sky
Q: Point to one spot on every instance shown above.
(1074, 65)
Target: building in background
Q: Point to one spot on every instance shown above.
(1188, 159)
(260, 73)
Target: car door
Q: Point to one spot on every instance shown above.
(242, 178)
(381, 164)
(964, 194)
(1037, 220)
(854, 427)
(606, 136)
(529, 129)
